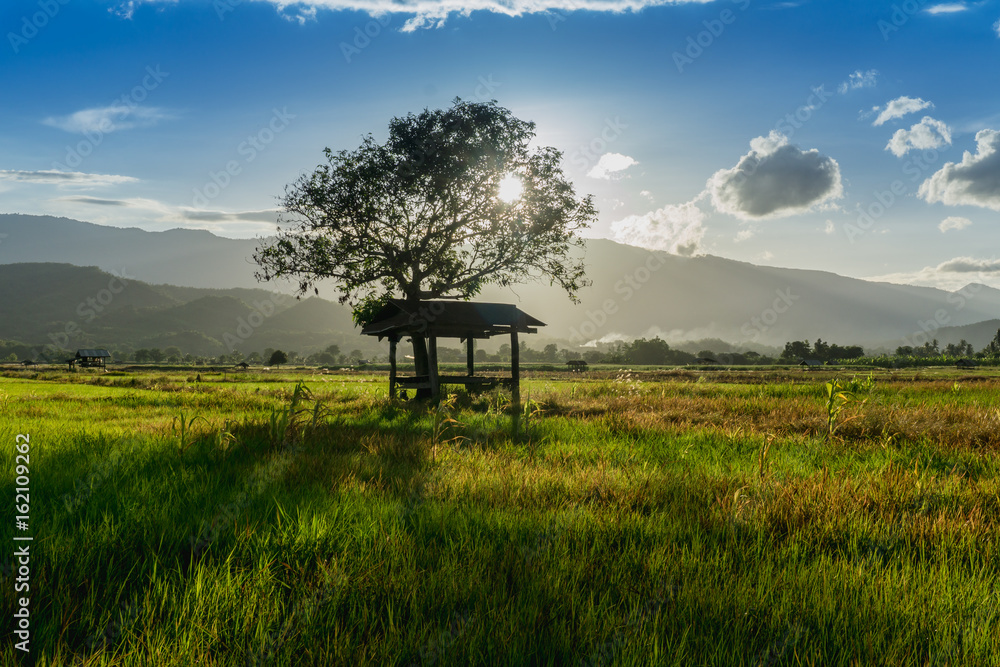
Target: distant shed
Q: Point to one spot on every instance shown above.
(811, 363)
(464, 320)
(965, 363)
(90, 358)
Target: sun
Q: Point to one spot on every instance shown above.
(510, 189)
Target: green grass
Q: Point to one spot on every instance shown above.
(661, 518)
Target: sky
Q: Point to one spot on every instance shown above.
(856, 137)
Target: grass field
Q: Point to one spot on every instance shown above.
(661, 518)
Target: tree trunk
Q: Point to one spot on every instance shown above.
(421, 362)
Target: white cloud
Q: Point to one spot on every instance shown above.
(947, 8)
(676, 229)
(830, 228)
(974, 181)
(859, 79)
(775, 179)
(952, 274)
(745, 234)
(107, 119)
(928, 133)
(996, 27)
(954, 222)
(68, 178)
(900, 107)
(434, 14)
(970, 265)
(647, 194)
(611, 163)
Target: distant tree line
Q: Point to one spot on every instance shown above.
(639, 352)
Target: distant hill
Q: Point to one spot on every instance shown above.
(70, 307)
(635, 293)
(185, 257)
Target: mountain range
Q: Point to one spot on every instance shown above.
(192, 288)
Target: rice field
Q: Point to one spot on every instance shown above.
(670, 517)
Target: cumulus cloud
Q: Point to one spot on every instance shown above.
(952, 274)
(900, 107)
(970, 265)
(954, 222)
(676, 229)
(775, 179)
(744, 234)
(974, 181)
(859, 79)
(928, 133)
(611, 163)
(107, 119)
(69, 178)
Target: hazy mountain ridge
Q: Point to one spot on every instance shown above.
(70, 307)
(635, 292)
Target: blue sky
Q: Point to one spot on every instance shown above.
(856, 137)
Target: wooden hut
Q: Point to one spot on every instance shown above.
(464, 320)
(90, 358)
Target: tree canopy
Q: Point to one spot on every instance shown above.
(422, 216)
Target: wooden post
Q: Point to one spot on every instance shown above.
(392, 368)
(515, 371)
(469, 361)
(432, 363)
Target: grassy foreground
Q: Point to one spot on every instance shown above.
(675, 518)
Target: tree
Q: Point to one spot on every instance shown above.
(277, 358)
(421, 216)
(798, 349)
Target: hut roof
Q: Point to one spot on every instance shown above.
(450, 319)
(92, 353)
